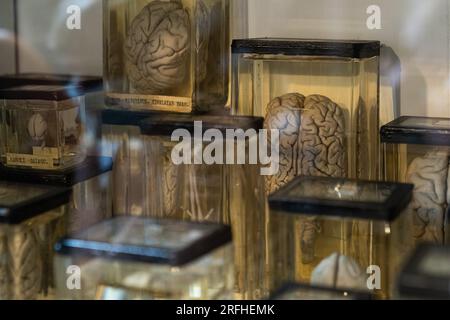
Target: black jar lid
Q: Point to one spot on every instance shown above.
(417, 130)
(298, 291)
(125, 117)
(20, 202)
(308, 47)
(335, 197)
(42, 92)
(168, 242)
(89, 83)
(426, 275)
(165, 124)
(91, 167)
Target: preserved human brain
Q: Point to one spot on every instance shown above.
(312, 137)
(157, 47)
(429, 174)
(322, 138)
(338, 271)
(312, 143)
(284, 114)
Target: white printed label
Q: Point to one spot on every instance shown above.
(27, 160)
(151, 102)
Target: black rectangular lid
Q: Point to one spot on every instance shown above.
(308, 47)
(41, 92)
(125, 117)
(417, 130)
(298, 291)
(20, 202)
(169, 242)
(89, 83)
(345, 198)
(91, 167)
(426, 275)
(165, 124)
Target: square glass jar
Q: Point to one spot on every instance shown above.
(91, 200)
(43, 127)
(329, 89)
(417, 150)
(426, 275)
(192, 182)
(296, 291)
(93, 92)
(166, 55)
(139, 258)
(339, 233)
(32, 219)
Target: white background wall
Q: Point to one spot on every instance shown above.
(416, 30)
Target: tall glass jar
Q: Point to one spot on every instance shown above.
(340, 233)
(322, 94)
(166, 55)
(201, 170)
(33, 218)
(417, 150)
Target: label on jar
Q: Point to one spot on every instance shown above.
(28, 160)
(46, 152)
(150, 102)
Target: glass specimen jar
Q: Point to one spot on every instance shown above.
(32, 219)
(323, 96)
(43, 126)
(130, 258)
(337, 232)
(166, 55)
(426, 275)
(91, 200)
(296, 291)
(201, 170)
(122, 140)
(93, 92)
(417, 150)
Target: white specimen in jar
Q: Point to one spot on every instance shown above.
(339, 271)
(429, 175)
(37, 128)
(157, 47)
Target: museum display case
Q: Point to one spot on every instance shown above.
(417, 150)
(132, 258)
(330, 231)
(32, 219)
(166, 55)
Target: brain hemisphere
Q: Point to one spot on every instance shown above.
(283, 113)
(322, 136)
(429, 175)
(157, 47)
